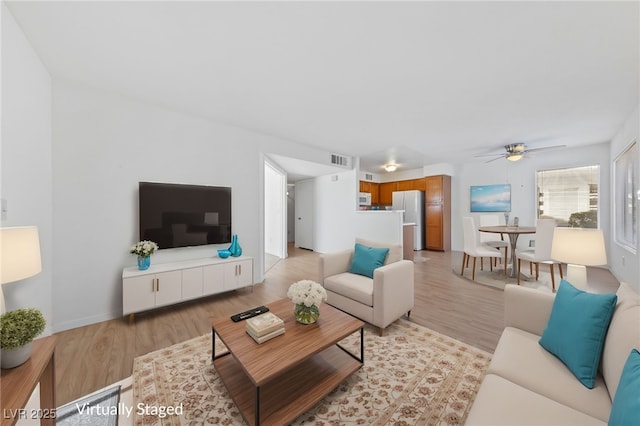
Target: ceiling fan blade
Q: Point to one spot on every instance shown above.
(489, 155)
(545, 148)
(494, 159)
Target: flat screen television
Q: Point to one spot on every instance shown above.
(177, 215)
(491, 198)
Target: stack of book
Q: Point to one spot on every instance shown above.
(264, 327)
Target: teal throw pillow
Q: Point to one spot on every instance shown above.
(366, 259)
(626, 404)
(577, 328)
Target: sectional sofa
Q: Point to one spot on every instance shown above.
(525, 384)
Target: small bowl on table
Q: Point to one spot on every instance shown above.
(224, 253)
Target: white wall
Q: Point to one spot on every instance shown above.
(274, 210)
(521, 175)
(25, 177)
(629, 270)
(104, 144)
(335, 211)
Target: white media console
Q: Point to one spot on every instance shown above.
(169, 283)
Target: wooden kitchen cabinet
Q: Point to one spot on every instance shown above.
(411, 184)
(375, 193)
(438, 212)
(386, 189)
(373, 189)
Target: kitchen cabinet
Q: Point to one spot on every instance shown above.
(411, 184)
(373, 189)
(386, 189)
(420, 184)
(375, 193)
(170, 283)
(438, 212)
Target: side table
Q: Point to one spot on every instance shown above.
(17, 385)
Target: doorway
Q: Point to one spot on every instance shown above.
(275, 215)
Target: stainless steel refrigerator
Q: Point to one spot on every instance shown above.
(412, 202)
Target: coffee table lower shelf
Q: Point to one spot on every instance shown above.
(285, 397)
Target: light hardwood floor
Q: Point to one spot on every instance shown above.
(92, 357)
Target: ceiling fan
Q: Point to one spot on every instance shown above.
(516, 151)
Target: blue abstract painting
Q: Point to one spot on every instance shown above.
(491, 198)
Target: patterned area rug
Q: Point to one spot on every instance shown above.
(411, 376)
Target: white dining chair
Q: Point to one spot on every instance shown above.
(541, 253)
(493, 240)
(473, 248)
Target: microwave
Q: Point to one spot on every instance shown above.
(364, 199)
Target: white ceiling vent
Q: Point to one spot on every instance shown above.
(340, 160)
(368, 176)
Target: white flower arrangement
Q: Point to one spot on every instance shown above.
(143, 248)
(307, 292)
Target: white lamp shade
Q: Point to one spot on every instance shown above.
(19, 253)
(579, 246)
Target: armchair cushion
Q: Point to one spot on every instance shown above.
(366, 259)
(352, 286)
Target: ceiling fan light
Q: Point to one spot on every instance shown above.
(514, 157)
(390, 167)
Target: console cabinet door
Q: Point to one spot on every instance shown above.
(168, 288)
(192, 283)
(213, 279)
(238, 274)
(138, 293)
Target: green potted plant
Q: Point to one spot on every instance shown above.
(17, 330)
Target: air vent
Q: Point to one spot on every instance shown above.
(368, 176)
(339, 160)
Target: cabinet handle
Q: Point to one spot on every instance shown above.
(158, 284)
(153, 285)
(239, 269)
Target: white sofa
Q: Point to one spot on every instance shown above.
(378, 301)
(526, 385)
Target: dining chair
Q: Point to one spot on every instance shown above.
(491, 239)
(473, 248)
(541, 253)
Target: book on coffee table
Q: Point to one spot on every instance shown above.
(267, 336)
(264, 324)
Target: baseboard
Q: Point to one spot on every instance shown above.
(81, 322)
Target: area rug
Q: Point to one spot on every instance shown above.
(498, 279)
(411, 376)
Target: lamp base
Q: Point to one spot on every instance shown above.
(577, 276)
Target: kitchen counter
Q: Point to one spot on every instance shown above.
(407, 240)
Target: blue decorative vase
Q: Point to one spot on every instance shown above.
(235, 248)
(144, 262)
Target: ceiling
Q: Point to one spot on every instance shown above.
(412, 82)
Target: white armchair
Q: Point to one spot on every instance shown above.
(378, 301)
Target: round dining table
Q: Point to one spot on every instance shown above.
(513, 232)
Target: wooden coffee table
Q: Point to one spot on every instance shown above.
(274, 382)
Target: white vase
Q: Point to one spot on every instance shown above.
(10, 358)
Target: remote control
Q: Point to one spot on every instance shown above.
(250, 313)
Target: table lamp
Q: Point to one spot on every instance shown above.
(19, 255)
(578, 248)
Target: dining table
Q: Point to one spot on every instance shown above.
(513, 232)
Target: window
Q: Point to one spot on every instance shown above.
(570, 196)
(626, 197)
